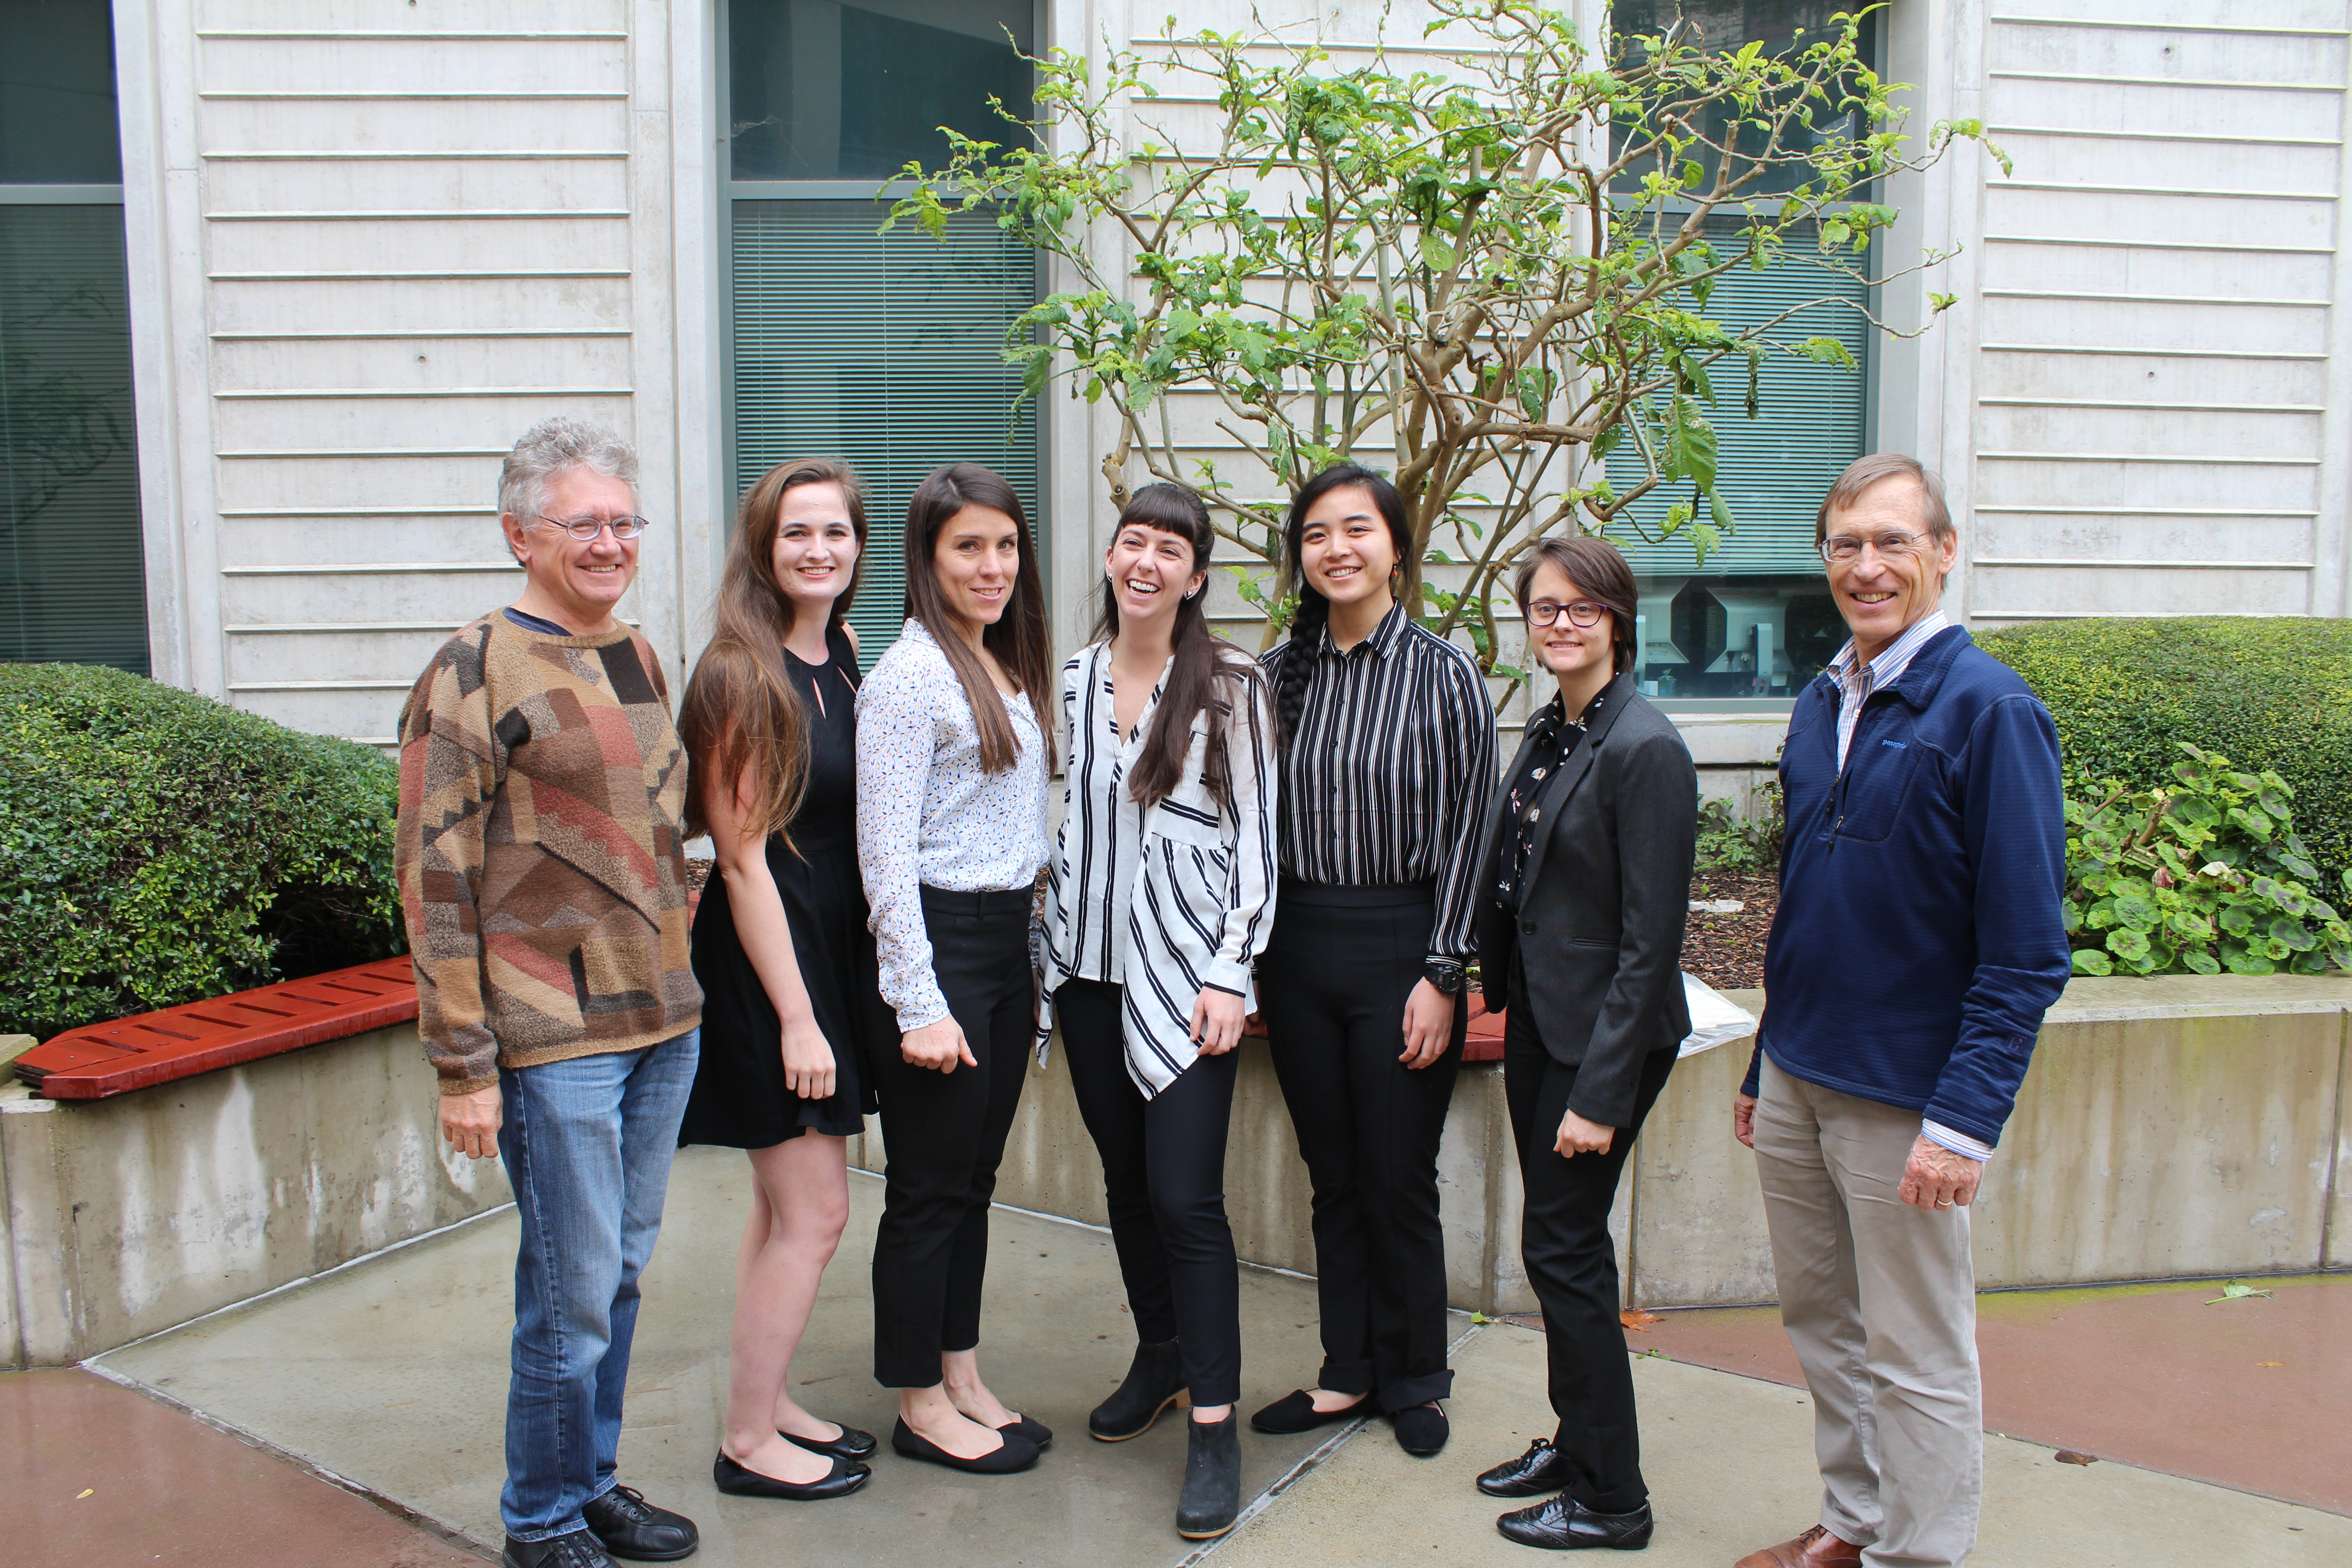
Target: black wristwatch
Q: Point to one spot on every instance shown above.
(1446, 977)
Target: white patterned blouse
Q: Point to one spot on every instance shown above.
(929, 814)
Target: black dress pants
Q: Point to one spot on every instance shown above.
(1335, 975)
(1164, 1162)
(1573, 1264)
(943, 1136)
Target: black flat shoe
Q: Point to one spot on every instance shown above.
(850, 1445)
(1154, 1381)
(574, 1549)
(1294, 1412)
(1564, 1524)
(1014, 1453)
(1420, 1429)
(735, 1480)
(1035, 1433)
(628, 1526)
(1542, 1468)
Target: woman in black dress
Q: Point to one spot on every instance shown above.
(791, 998)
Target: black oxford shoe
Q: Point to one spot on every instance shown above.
(1542, 1468)
(630, 1527)
(1564, 1524)
(574, 1549)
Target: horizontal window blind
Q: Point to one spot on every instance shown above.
(1771, 470)
(883, 351)
(72, 572)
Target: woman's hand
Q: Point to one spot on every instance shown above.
(1428, 1023)
(1577, 1136)
(1216, 1021)
(808, 1061)
(471, 1121)
(938, 1046)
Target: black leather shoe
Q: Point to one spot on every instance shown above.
(577, 1548)
(630, 1527)
(1035, 1433)
(1211, 1497)
(1420, 1429)
(1294, 1412)
(735, 1480)
(1542, 1468)
(1013, 1452)
(1154, 1381)
(852, 1444)
(1564, 1524)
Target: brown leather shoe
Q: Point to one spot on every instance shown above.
(1817, 1548)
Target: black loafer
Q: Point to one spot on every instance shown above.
(1035, 1433)
(1013, 1452)
(630, 1527)
(574, 1549)
(1294, 1412)
(1542, 1468)
(735, 1480)
(850, 1445)
(1420, 1429)
(1564, 1524)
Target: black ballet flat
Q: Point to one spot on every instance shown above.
(850, 1445)
(735, 1480)
(1294, 1412)
(1014, 1454)
(1034, 1432)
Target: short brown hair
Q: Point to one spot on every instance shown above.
(1864, 472)
(1599, 568)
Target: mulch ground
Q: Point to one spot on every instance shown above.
(1727, 951)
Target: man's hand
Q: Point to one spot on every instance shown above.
(938, 1046)
(471, 1121)
(1428, 1023)
(1577, 1136)
(1743, 1118)
(1216, 1021)
(809, 1066)
(1935, 1178)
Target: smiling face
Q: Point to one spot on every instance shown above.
(1345, 550)
(1879, 595)
(1567, 649)
(576, 583)
(815, 552)
(978, 559)
(1150, 572)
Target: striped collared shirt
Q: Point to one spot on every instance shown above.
(1391, 769)
(1857, 681)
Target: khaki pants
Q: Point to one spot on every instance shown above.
(1879, 1299)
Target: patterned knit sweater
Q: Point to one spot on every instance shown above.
(540, 858)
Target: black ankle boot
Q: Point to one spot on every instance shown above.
(1155, 1380)
(1212, 1479)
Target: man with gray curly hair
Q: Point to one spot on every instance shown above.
(542, 873)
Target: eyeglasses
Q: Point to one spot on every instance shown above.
(585, 529)
(1892, 545)
(1583, 613)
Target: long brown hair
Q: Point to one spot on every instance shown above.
(1208, 670)
(741, 711)
(1018, 637)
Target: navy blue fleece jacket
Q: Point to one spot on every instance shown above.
(1918, 940)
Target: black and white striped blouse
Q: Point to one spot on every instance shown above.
(1390, 772)
(1164, 901)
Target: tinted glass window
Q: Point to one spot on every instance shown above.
(57, 94)
(828, 91)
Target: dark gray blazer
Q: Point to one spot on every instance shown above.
(1599, 934)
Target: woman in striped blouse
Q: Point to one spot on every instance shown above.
(1158, 899)
(1387, 759)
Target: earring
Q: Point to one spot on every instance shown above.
(1190, 591)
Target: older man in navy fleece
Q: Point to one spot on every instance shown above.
(1917, 945)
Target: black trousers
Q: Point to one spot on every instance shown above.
(1163, 1163)
(1573, 1264)
(1336, 971)
(944, 1136)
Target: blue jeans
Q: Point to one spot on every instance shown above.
(587, 1144)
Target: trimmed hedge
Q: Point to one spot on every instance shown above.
(157, 847)
(2269, 694)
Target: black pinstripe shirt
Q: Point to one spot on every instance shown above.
(1389, 773)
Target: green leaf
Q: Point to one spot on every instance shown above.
(2091, 960)
(1825, 350)
(2201, 960)
(1436, 252)
(1691, 446)
(2127, 943)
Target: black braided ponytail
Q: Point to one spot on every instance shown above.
(1314, 610)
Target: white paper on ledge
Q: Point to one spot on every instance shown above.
(1714, 1018)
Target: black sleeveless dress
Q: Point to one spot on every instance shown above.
(739, 1097)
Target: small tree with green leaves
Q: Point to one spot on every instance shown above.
(1482, 281)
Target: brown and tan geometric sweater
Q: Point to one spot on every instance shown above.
(542, 865)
